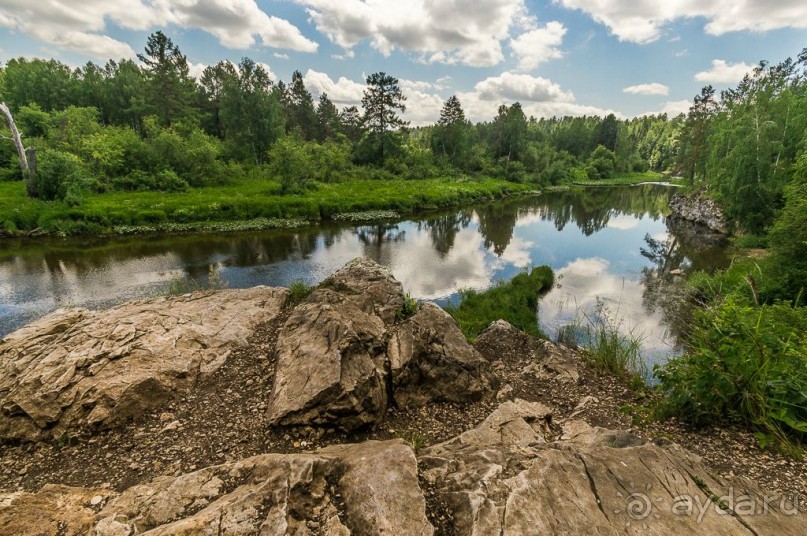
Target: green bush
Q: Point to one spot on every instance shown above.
(745, 364)
(515, 301)
(56, 172)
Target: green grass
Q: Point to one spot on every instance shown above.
(609, 345)
(629, 179)
(239, 200)
(298, 291)
(515, 301)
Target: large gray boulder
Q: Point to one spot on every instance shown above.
(518, 474)
(344, 354)
(330, 365)
(370, 286)
(79, 369)
(430, 360)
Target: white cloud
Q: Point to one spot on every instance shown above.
(521, 87)
(671, 108)
(538, 96)
(647, 89)
(539, 45)
(79, 26)
(444, 31)
(724, 73)
(280, 56)
(642, 21)
(237, 23)
(343, 92)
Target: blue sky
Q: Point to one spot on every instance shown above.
(556, 57)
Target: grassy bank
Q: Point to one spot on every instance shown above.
(515, 301)
(630, 179)
(247, 204)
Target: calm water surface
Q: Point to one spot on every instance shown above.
(612, 246)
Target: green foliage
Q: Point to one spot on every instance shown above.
(515, 301)
(610, 347)
(788, 243)
(745, 364)
(601, 164)
(57, 173)
(290, 164)
(408, 309)
(298, 291)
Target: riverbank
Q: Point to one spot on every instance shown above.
(240, 205)
(243, 205)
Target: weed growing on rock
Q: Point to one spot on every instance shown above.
(299, 291)
(408, 309)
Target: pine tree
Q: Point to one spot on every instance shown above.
(328, 124)
(450, 135)
(382, 100)
(170, 87)
(300, 114)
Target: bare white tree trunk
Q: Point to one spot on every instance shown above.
(15, 137)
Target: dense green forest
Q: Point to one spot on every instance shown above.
(100, 131)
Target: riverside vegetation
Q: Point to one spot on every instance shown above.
(128, 147)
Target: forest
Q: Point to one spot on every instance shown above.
(102, 132)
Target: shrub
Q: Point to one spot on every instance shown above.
(745, 364)
(56, 172)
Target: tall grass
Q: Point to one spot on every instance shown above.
(515, 301)
(610, 346)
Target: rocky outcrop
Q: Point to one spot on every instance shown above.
(330, 365)
(546, 360)
(79, 369)
(430, 360)
(342, 358)
(370, 286)
(369, 488)
(518, 473)
(699, 209)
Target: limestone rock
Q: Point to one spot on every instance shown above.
(546, 360)
(368, 489)
(514, 475)
(699, 209)
(380, 488)
(77, 369)
(370, 286)
(267, 494)
(430, 360)
(54, 509)
(330, 365)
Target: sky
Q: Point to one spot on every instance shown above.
(555, 57)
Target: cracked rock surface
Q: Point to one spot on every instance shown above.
(78, 369)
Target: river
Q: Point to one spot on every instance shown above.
(611, 248)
